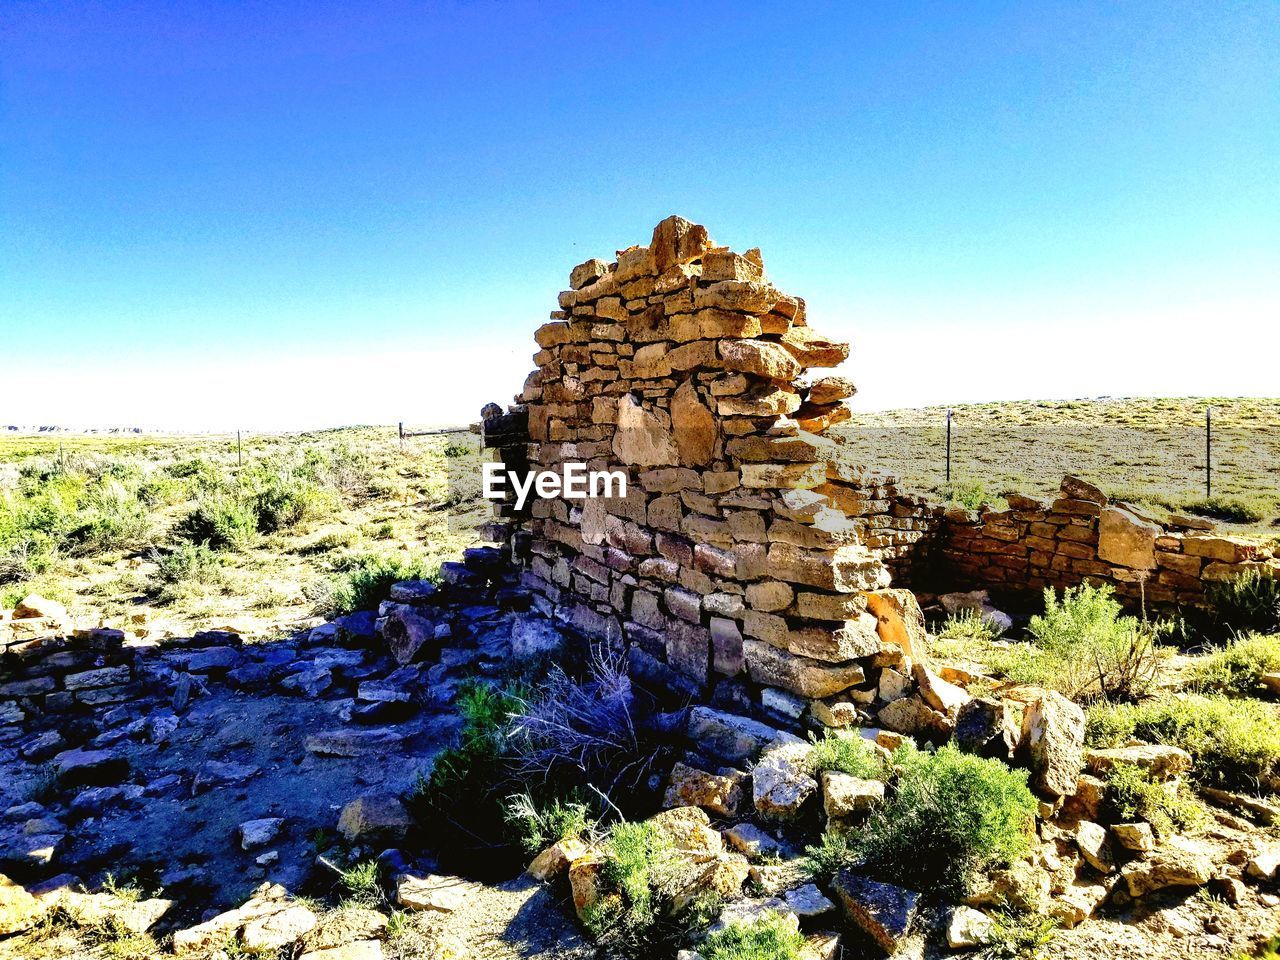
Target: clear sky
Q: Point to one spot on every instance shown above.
(281, 215)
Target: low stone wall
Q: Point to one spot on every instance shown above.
(53, 674)
(1082, 536)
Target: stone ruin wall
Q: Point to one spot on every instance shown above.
(1082, 536)
(749, 562)
(746, 561)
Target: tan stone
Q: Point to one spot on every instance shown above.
(901, 621)
(643, 436)
(1126, 539)
(694, 427)
(18, 909)
(749, 296)
(676, 241)
(831, 390)
(690, 787)
(764, 476)
(760, 400)
(814, 350)
(759, 357)
(800, 675)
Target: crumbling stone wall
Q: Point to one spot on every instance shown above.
(1084, 536)
(45, 668)
(737, 561)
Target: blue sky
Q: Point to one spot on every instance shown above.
(295, 214)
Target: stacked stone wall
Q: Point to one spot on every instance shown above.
(43, 671)
(746, 560)
(1083, 536)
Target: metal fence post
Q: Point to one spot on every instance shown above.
(948, 444)
(1208, 452)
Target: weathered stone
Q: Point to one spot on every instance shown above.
(1053, 734)
(643, 436)
(780, 782)
(1264, 865)
(1126, 539)
(731, 738)
(267, 900)
(942, 696)
(914, 717)
(35, 607)
(374, 816)
(846, 799)
(1073, 488)
(814, 679)
(883, 912)
(694, 426)
(1162, 761)
(259, 833)
(555, 859)
(808, 902)
(1094, 846)
(989, 727)
(967, 927)
(18, 909)
(408, 632)
(269, 933)
(1172, 866)
(344, 742)
(1078, 902)
(439, 894)
(690, 787)
(750, 840)
(90, 768)
(689, 830)
(831, 390)
(901, 622)
(1134, 836)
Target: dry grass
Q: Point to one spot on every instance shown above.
(378, 498)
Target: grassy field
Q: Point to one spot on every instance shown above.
(183, 533)
(1149, 451)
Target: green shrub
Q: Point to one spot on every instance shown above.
(1250, 601)
(970, 494)
(461, 804)
(287, 501)
(969, 625)
(201, 474)
(363, 882)
(950, 816)
(189, 563)
(1234, 743)
(220, 521)
(1020, 935)
(768, 938)
(1087, 649)
(1238, 667)
(852, 755)
(1169, 808)
(539, 826)
(365, 580)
